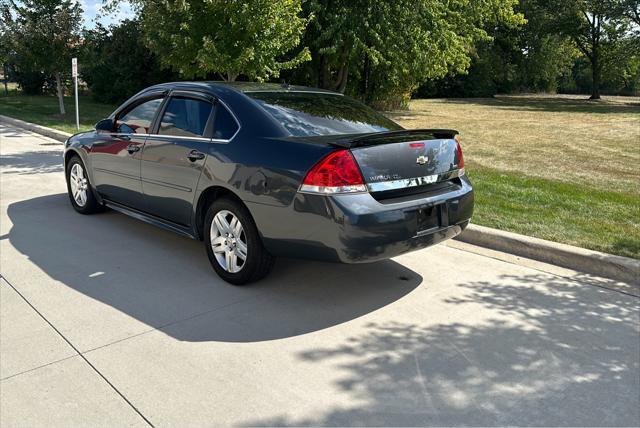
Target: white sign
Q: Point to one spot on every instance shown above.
(74, 73)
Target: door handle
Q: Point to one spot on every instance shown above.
(132, 148)
(195, 155)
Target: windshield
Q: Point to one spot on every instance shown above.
(314, 114)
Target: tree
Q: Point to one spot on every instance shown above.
(45, 34)
(200, 37)
(530, 57)
(5, 41)
(595, 26)
(387, 48)
(624, 77)
(116, 64)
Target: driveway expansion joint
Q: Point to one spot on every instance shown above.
(80, 354)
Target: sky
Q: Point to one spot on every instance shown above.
(92, 12)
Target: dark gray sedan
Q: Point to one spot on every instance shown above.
(261, 171)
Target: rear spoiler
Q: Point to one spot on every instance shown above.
(387, 137)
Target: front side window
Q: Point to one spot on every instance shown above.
(314, 114)
(224, 126)
(185, 117)
(138, 119)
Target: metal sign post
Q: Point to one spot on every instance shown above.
(74, 74)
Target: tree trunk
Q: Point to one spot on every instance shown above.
(595, 78)
(343, 82)
(5, 72)
(324, 74)
(341, 79)
(60, 93)
(325, 78)
(596, 66)
(366, 72)
(231, 77)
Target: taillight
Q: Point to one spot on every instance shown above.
(335, 173)
(460, 157)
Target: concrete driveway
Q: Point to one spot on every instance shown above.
(108, 321)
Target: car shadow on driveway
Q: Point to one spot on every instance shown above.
(162, 279)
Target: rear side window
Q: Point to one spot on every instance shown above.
(185, 117)
(315, 114)
(225, 125)
(138, 119)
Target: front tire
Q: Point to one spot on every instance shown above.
(233, 243)
(79, 188)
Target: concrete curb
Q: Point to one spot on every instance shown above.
(580, 259)
(38, 129)
(593, 262)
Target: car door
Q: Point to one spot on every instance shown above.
(174, 155)
(115, 158)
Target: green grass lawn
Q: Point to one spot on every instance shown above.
(555, 167)
(574, 214)
(43, 110)
(560, 168)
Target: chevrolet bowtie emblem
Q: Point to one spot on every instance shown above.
(421, 160)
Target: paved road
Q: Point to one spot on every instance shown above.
(108, 321)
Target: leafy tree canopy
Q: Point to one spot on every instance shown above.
(116, 64)
(44, 35)
(597, 27)
(390, 47)
(200, 37)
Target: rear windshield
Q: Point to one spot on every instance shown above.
(312, 114)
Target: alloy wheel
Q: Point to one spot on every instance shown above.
(79, 185)
(228, 241)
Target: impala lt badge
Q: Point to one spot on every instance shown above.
(421, 160)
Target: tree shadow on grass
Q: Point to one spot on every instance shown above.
(554, 353)
(530, 104)
(552, 104)
(627, 246)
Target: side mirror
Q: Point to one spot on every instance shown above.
(105, 125)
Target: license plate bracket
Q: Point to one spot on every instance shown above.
(428, 218)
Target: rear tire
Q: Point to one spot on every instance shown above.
(79, 188)
(233, 243)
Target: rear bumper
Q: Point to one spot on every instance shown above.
(357, 228)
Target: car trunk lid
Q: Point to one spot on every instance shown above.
(397, 163)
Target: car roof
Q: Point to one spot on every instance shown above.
(242, 87)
